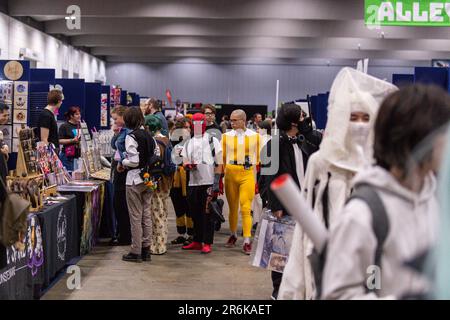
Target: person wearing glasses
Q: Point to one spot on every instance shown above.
(241, 147)
(211, 125)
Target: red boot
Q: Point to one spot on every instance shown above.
(206, 249)
(193, 246)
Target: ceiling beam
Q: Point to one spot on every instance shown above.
(304, 61)
(272, 53)
(248, 28)
(258, 42)
(198, 9)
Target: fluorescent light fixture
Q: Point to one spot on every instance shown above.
(70, 18)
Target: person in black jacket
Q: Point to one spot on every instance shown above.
(297, 141)
(212, 127)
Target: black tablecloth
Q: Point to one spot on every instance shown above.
(91, 208)
(60, 236)
(24, 270)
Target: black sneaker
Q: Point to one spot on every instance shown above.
(188, 241)
(114, 242)
(179, 240)
(146, 255)
(274, 295)
(131, 257)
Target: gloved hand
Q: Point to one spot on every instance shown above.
(221, 184)
(190, 167)
(216, 185)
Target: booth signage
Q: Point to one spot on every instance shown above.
(428, 13)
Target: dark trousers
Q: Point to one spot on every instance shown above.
(121, 209)
(276, 281)
(203, 222)
(180, 204)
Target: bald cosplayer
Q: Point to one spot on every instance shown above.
(240, 156)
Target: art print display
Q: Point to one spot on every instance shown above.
(6, 135)
(13, 70)
(273, 241)
(20, 116)
(20, 102)
(6, 91)
(115, 96)
(104, 110)
(21, 88)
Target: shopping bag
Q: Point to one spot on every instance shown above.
(272, 242)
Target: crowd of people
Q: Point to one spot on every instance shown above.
(189, 164)
(370, 177)
(362, 177)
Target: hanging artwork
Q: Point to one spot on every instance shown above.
(6, 90)
(20, 116)
(7, 134)
(21, 88)
(104, 110)
(20, 102)
(13, 70)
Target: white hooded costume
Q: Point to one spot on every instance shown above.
(346, 148)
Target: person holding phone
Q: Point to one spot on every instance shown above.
(69, 138)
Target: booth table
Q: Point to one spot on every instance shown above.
(90, 197)
(51, 242)
(60, 235)
(60, 232)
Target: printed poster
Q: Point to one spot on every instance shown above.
(20, 116)
(104, 110)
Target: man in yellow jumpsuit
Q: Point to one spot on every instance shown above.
(240, 157)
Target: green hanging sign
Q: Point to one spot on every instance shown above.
(428, 13)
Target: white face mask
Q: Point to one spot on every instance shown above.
(359, 132)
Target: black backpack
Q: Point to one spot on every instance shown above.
(380, 226)
(146, 146)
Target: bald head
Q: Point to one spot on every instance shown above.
(238, 119)
(240, 113)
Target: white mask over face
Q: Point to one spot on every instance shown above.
(359, 132)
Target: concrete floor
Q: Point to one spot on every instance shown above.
(223, 274)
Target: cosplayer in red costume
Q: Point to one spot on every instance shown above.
(201, 157)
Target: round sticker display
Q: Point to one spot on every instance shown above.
(21, 88)
(13, 70)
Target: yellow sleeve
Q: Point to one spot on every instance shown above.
(258, 146)
(224, 148)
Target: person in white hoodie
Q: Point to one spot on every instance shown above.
(406, 186)
(438, 262)
(345, 149)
